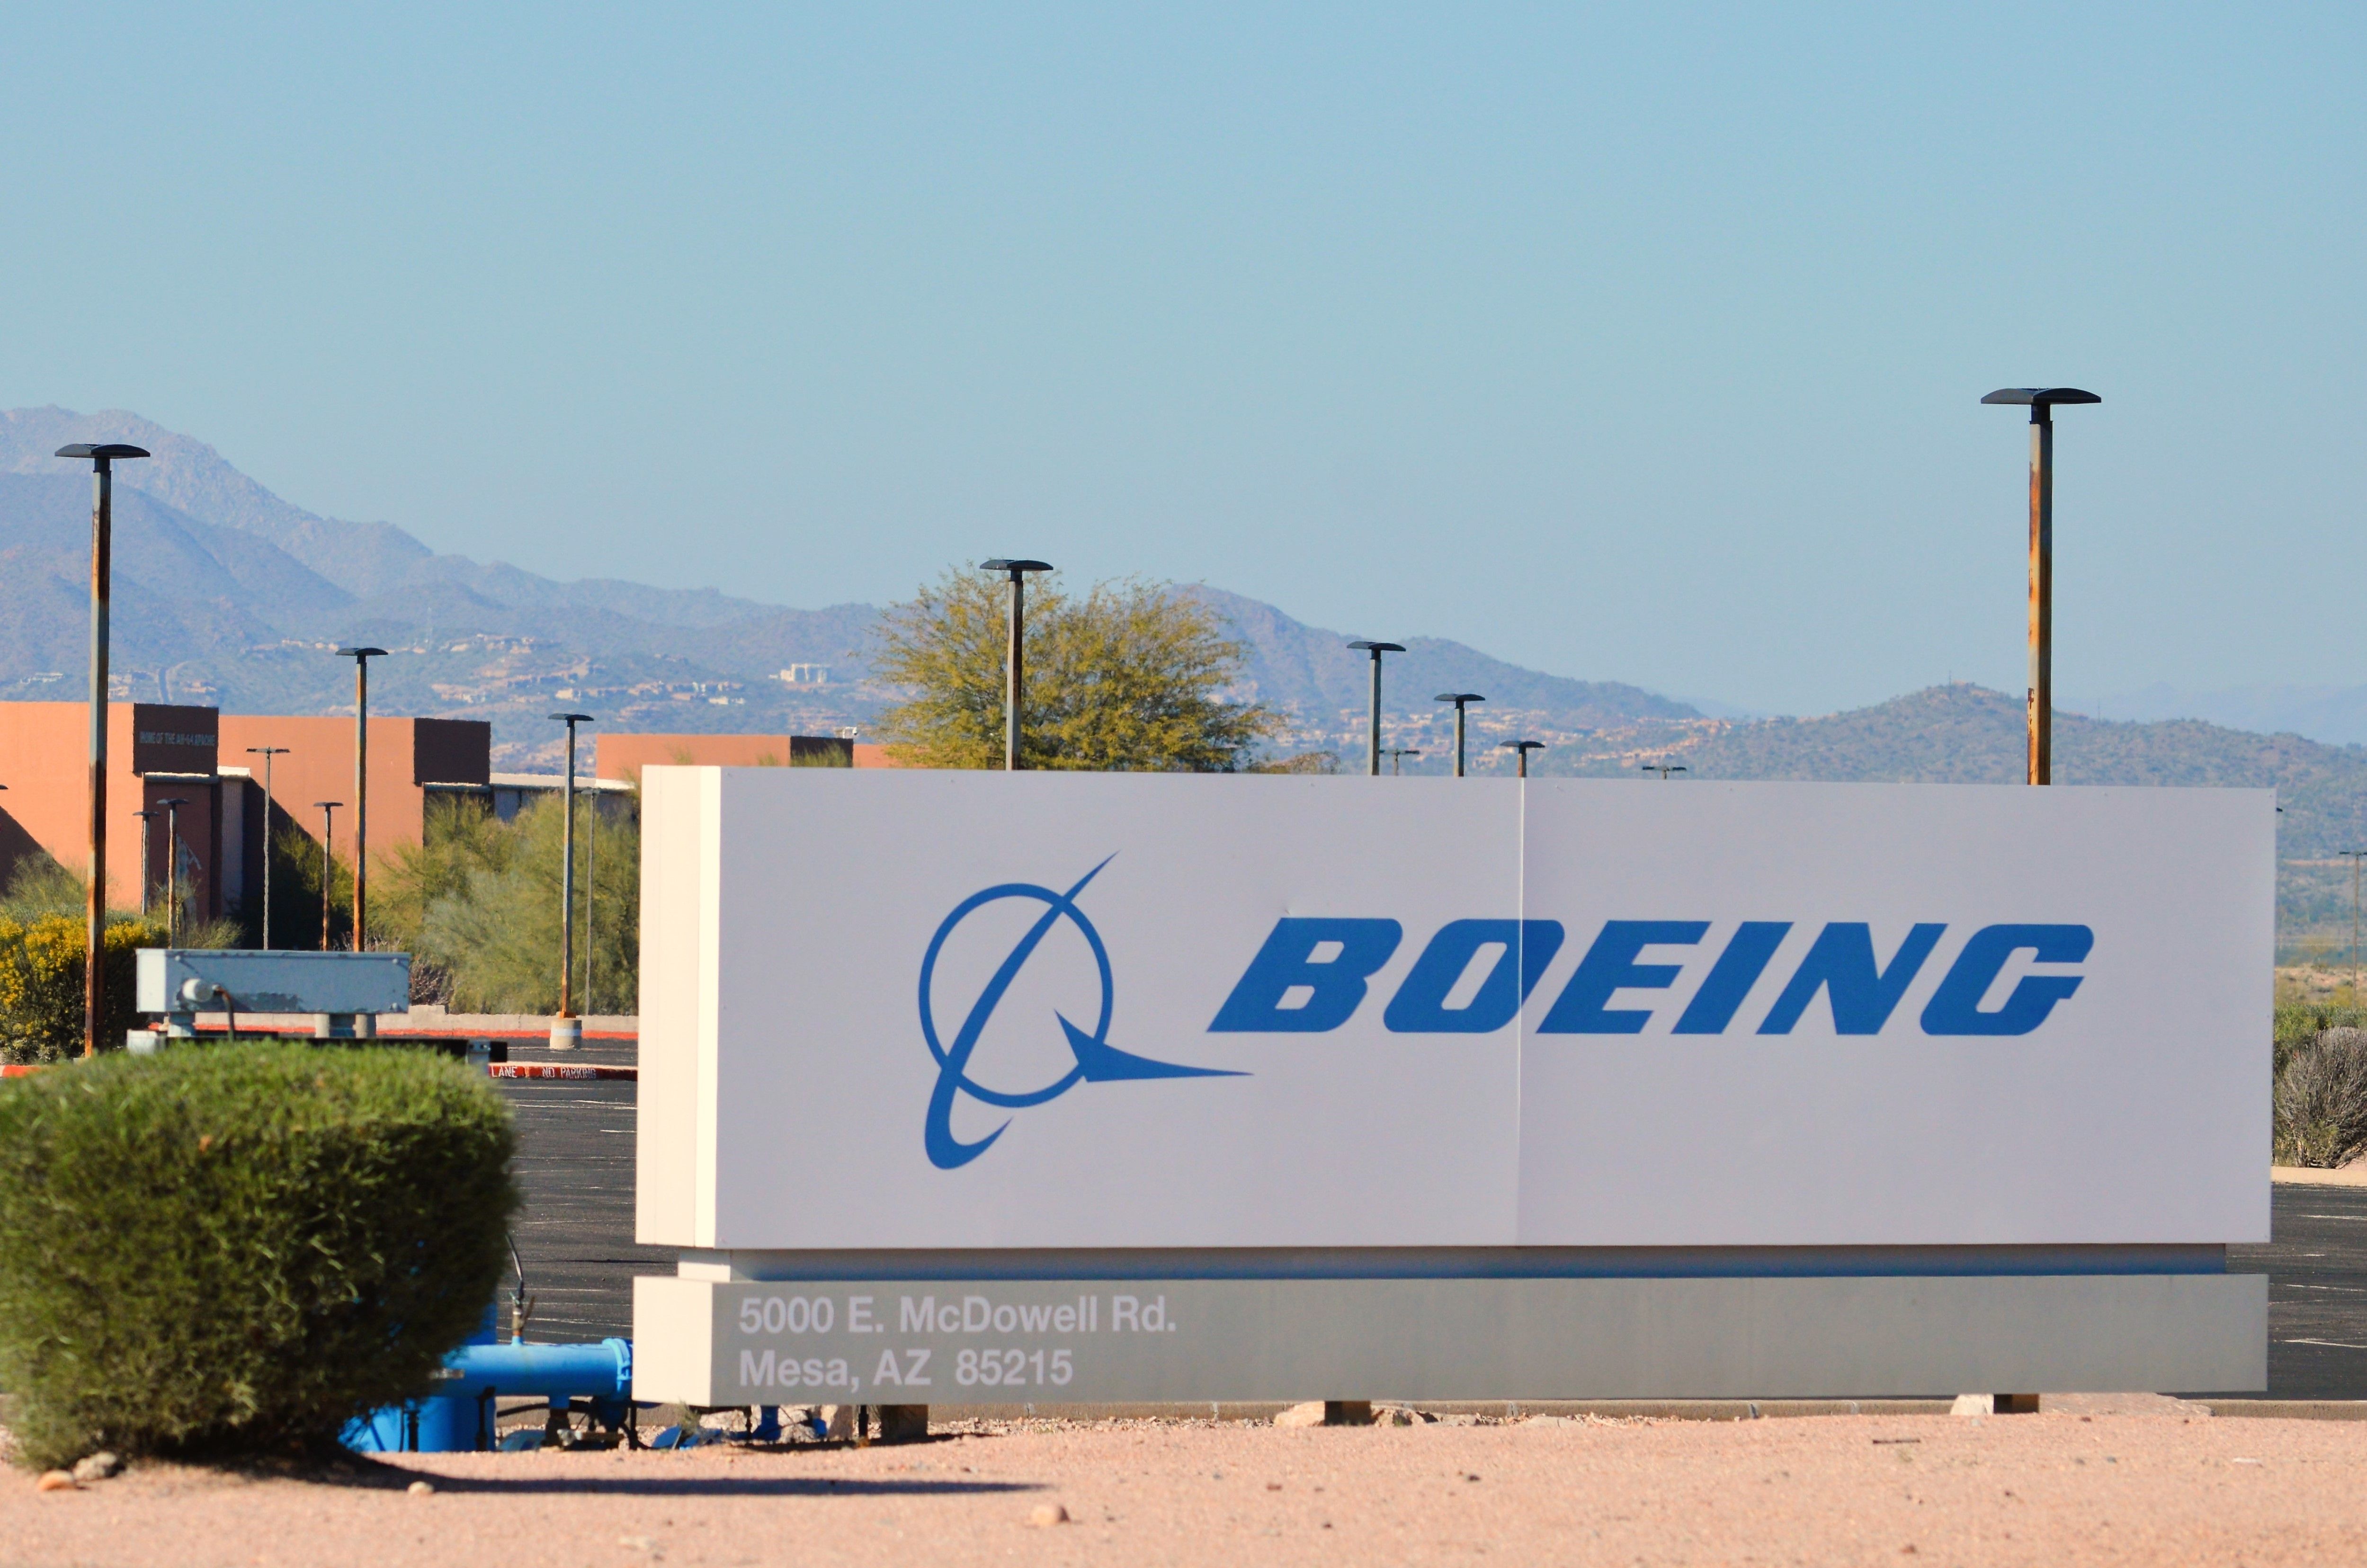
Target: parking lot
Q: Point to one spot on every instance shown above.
(576, 1237)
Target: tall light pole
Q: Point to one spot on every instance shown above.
(102, 560)
(1523, 748)
(361, 657)
(2042, 402)
(1396, 753)
(567, 1029)
(1373, 747)
(171, 805)
(1015, 659)
(328, 809)
(266, 753)
(1460, 700)
(2353, 856)
(1663, 769)
(147, 854)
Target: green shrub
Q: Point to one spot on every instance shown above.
(236, 1248)
(42, 978)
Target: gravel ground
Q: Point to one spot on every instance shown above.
(2038, 1489)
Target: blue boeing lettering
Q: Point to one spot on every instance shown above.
(1730, 978)
(1842, 965)
(1610, 965)
(1955, 1007)
(1261, 1003)
(1419, 1007)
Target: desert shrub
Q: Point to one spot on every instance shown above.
(235, 1249)
(2298, 1023)
(41, 982)
(490, 911)
(2321, 1100)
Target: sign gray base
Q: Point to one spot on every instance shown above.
(718, 1342)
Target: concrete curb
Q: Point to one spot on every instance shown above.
(1511, 1410)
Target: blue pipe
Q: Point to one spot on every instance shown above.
(457, 1417)
(594, 1371)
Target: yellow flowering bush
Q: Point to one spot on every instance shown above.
(41, 985)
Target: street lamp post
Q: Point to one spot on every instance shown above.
(2353, 856)
(102, 556)
(147, 855)
(2042, 402)
(1663, 769)
(266, 753)
(1460, 700)
(567, 1029)
(1373, 747)
(1396, 753)
(171, 805)
(1523, 749)
(1014, 667)
(328, 809)
(361, 657)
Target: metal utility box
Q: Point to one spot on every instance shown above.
(180, 982)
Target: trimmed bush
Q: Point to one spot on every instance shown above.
(2321, 1100)
(234, 1250)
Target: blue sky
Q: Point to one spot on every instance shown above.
(1635, 343)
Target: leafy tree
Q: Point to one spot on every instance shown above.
(1130, 677)
(480, 901)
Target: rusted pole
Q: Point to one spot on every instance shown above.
(2041, 697)
(102, 563)
(102, 569)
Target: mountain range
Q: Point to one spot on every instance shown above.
(226, 593)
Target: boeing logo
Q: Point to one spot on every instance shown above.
(1475, 976)
(1097, 1061)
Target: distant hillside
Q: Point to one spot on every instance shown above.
(229, 594)
(1964, 734)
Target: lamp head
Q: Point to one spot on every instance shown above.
(326, 805)
(174, 800)
(1458, 698)
(102, 453)
(1377, 648)
(2040, 400)
(1014, 568)
(1520, 746)
(570, 718)
(361, 653)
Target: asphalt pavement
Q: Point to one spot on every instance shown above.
(575, 1235)
(2317, 1291)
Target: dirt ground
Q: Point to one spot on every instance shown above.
(2049, 1488)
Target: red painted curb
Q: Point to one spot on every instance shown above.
(544, 1070)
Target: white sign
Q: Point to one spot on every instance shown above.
(937, 1009)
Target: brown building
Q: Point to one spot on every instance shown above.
(158, 752)
(623, 757)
